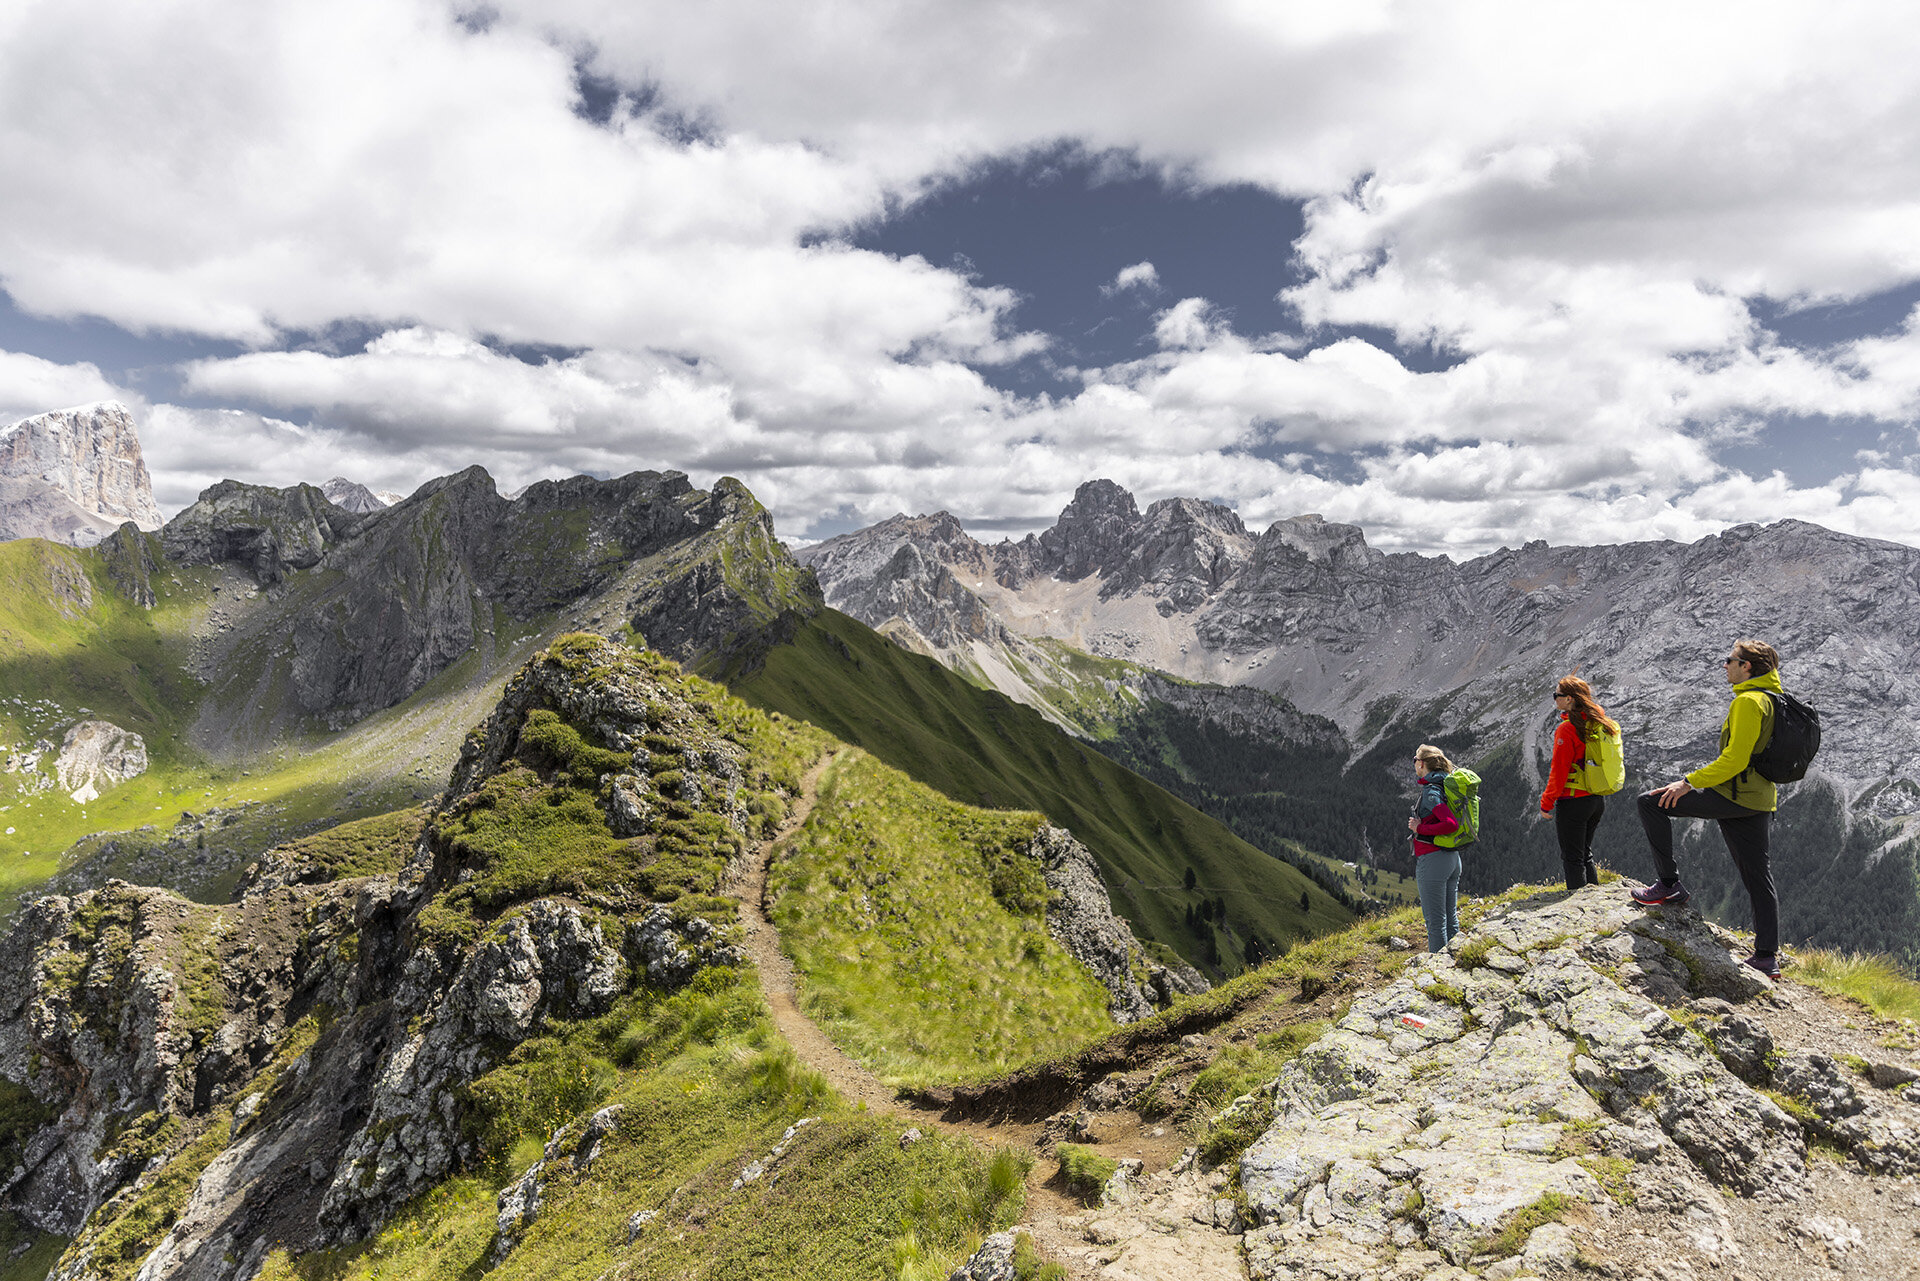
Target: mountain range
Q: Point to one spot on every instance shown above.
(1392, 650)
(560, 884)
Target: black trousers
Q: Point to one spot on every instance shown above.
(1748, 835)
(1575, 819)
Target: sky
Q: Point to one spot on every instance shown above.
(1463, 274)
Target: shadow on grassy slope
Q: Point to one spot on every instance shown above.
(981, 748)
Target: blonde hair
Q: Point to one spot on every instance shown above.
(1586, 711)
(1758, 655)
(1433, 758)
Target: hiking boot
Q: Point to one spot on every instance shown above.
(1767, 965)
(1662, 894)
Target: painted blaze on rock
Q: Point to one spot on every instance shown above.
(1454, 1098)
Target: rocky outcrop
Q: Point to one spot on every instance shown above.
(299, 1061)
(98, 755)
(74, 476)
(1569, 1056)
(268, 531)
(126, 1020)
(1080, 918)
(350, 496)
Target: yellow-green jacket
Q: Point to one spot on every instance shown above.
(1748, 728)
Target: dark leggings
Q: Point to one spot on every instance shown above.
(1575, 819)
(1748, 834)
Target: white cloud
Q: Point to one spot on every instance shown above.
(1573, 208)
(1143, 276)
(30, 385)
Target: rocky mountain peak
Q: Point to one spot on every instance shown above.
(74, 475)
(269, 530)
(867, 551)
(1321, 541)
(1091, 530)
(352, 496)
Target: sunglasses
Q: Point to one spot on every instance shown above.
(1729, 662)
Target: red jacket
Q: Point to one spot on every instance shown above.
(1568, 751)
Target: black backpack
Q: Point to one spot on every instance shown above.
(1796, 737)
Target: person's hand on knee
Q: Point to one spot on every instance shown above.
(1669, 796)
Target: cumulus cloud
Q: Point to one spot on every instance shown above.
(1573, 214)
(30, 385)
(1142, 276)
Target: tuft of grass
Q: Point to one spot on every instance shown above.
(1794, 1106)
(1512, 1237)
(1871, 981)
(1029, 1266)
(1614, 1174)
(919, 926)
(1473, 955)
(1085, 1171)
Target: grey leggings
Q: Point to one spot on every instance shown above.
(1438, 876)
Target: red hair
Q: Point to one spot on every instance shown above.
(1586, 711)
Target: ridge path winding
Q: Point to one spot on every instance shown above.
(778, 982)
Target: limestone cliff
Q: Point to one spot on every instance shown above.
(74, 476)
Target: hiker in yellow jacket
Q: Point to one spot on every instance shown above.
(1735, 796)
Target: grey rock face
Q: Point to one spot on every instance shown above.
(123, 1032)
(670, 948)
(993, 1261)
(269, 531)
(1081, 919)
(1452, 1098)
(545, 961)
(97, 755)
(74, 476)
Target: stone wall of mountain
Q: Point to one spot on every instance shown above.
(351, 612)
(74, 476)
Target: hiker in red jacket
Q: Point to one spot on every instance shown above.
(1576, 811)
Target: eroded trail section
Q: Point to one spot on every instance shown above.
(777, 978)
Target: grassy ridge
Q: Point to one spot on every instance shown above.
(981, 748)
(919, 925)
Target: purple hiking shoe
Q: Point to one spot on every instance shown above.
(1767, 965)
(1662, 894)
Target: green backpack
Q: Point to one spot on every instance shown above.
(1604, 771)
(1463, 798)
